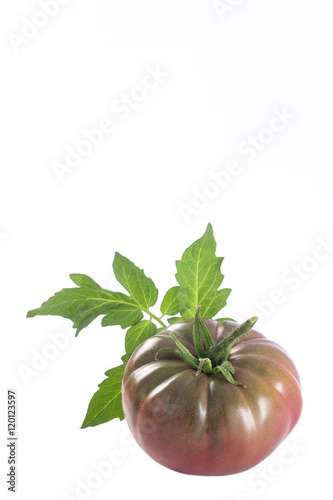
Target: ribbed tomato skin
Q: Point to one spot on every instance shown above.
(202, 424)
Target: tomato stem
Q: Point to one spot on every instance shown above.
(193, 363)
(211, 358)
(197, 338)
(227, 372)
(184, 353)
(219, 353)
(205, 365)
(209, 342)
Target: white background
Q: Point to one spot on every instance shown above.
(227, 76)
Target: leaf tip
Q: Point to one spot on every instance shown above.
(209, 230)
(117, 255)
(85, 423)
(73, 277)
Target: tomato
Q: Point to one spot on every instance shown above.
(199, 423)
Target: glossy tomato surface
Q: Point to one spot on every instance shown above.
(202, 424)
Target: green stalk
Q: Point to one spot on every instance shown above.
(220, 352)
(205, 365)
(197, 340)
(209, 342)
(180, 355)
(184, 353)
(213, 359)
(155, 317)
(227, 374)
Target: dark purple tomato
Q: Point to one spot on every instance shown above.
(202, 424)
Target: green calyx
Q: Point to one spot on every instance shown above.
(211, 358)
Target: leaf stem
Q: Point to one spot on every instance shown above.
(155, 317)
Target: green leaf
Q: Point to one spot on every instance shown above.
(170, 303)
(84, 280)
(173, 320)
(225, 319)
(134, 280)
(199, 276)
(138, 333)
(122, 314)
(105, 404)
(84, 304)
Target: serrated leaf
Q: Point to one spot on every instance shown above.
(217, 303)
(105, 404)
(124, 315)
(225, 319)
(134, 280)
(124, 358)
(138, 333)
(199, 276)
(84, 304)
(170, 303)
(84, 280)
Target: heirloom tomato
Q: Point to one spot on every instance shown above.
(209, 420)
